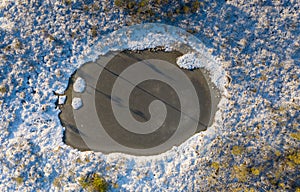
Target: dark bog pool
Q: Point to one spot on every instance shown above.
(138, 103)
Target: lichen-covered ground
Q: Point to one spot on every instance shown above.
(256, 144)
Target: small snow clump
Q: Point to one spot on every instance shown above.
(79, 85)
(76, 103)
(62, 99)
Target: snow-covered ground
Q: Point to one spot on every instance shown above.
(254, 144)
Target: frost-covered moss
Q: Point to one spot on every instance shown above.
(94, 182)
(296, 135)
(255, 171)
(237, 150)
(2, 89)
(18, 180)
(295, 157)
(215, 165)
(240, 172)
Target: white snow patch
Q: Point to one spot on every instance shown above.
(76, 103)
(4, 23)
(196, 60)
(62, 99)
(3, 3)
(79, 85)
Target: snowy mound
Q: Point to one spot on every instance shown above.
(76, 103)
(79, 85)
